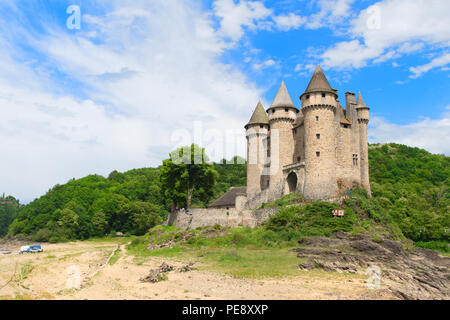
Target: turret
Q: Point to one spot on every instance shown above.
(256, 131)
(282, 114)
(319, 106)
(362, 112)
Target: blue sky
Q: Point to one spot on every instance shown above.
(144, 76)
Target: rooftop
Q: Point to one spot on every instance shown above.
(319, 83)
(229, 198)
(259, 116)
(282, 98)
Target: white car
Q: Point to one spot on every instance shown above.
(31, 249)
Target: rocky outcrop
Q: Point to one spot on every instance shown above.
(419, 274)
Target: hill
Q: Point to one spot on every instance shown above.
(410, 196)
(9, 209)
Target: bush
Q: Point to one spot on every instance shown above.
(441, 246)
(42, 235)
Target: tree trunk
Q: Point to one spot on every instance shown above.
(189, 197)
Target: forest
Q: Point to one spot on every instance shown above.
(409, 185)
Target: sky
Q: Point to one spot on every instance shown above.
(88, 87)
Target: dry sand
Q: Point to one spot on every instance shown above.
(46, 276)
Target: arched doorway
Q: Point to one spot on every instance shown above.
(292, 182)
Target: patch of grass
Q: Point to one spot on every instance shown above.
(25, 271)
(285, 201)
(115, 257)
(71, 255)
(248, 263)
(441, 246)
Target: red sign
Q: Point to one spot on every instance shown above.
(338, 213)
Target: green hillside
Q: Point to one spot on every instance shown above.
(410, 199)
(9, 209)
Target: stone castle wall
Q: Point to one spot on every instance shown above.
(320, 153)
(223, 217)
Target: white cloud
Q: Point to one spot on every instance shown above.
(146, 77)
(234, 16)
(331, 13)
(429, 134)
(264, 65)
(290, 21)
(305, 70)
(435, 63)
(389, 29)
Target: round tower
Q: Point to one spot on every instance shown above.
(282, 114)
(319, 106)
(362, 113)
(256, 132)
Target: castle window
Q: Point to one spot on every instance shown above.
(317, 118)
(318, 136)
(286, 109)
(307, 96)
(318, 154)
(346, 126)
(298, 159)
(355, 159)
(323, 95)
(273, 110)
(268, 183)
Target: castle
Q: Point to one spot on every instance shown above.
(319, 151)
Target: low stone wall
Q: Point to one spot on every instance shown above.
(223, 217)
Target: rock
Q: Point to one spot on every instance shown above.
(368, 247)
(340, 235)
(423, 274)
(393, 246)
(164, 267)
(119, 234)
(187, 267)
(152, 277)
(317, 242)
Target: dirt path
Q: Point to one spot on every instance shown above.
(49, 275)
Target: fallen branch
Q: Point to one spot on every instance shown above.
(103, 265)
(12, 278)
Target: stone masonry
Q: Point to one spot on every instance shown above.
(319, 151)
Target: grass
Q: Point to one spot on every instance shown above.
(264, 251)
(24, 272)
(115, 257)
(252, 263)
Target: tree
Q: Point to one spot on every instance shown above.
(100, 223)
(187, 173)
(9, 209)
(145, 216)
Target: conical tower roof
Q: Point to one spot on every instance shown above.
(319, 83)
(282, 99)
(360, 102)
(259, 116)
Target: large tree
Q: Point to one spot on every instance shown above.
(187, 173)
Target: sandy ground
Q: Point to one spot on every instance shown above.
(50, 274)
